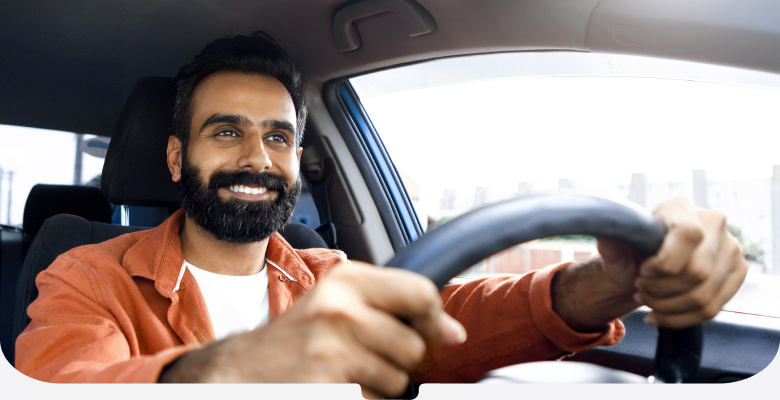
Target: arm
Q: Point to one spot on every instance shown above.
(509, 320)
(345, 331)
(697, 270)
(76, 336)
(549, 313)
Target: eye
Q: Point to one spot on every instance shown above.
(226, 132)
(277, 138)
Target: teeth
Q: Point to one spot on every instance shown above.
(247, 189)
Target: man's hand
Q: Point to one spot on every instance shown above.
(698, 268)
(347, 330)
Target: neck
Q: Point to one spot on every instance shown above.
(206, 252)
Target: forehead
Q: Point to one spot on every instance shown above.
(250, 95)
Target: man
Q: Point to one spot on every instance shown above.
(208, 295)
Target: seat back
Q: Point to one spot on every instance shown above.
(43, 202)
(57, 235)
(10, 263)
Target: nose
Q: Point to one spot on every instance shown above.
(253, 154)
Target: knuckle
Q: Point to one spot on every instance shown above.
(710, 311)
(714, 218)
(324, 351)
(698, 272)
(414, 351)
(328, 308)
(345, 272)
(425, 292)
(430, 298)
(734, 251)
(691, 233)
(720, 220)
(742, 268)
(402, 382)
(700, 300)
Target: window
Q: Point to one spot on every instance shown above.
(31, 156)
(469, 131)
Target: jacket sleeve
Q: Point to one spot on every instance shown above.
(75, 336)
(509, 320)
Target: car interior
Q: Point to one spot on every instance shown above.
(106, 68)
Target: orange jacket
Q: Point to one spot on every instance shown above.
(119, 311)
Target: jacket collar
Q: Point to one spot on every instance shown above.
(157, 256)
(164, 246)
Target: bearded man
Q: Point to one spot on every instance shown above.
(215, 294)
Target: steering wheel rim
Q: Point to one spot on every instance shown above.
(451, 248)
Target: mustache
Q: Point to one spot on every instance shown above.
(269, 180)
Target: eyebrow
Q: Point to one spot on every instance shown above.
(276, 124)
(244, 121)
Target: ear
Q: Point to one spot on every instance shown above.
(300, 150)
(174, 158)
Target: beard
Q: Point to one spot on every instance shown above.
(234, 220)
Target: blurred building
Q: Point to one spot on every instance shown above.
(752, 207)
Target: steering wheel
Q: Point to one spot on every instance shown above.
(458, 244)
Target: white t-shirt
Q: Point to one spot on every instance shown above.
(236, 303)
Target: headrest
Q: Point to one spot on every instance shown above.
(135, 171)
(45, 201)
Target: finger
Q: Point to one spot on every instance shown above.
(368, 394)
(414, 298)
(389, 337)
(685, 233)
(683, 320)
(711, 260)
(664, 286)
(701, 294)
(706, 300)
(377, 377)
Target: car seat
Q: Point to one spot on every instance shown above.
(135, 173)
(43, 202)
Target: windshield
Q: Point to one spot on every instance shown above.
(469, 131)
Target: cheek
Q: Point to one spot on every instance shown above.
(289, 166)
(205, 165)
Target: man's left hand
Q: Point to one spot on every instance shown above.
(699, 267)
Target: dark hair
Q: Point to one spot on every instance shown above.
(257, 54)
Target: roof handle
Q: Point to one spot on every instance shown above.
(413, 17)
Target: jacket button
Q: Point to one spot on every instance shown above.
(282, 278)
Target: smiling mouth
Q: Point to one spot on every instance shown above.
(247, 189)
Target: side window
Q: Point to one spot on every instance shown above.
(31, 156)
(470, 131)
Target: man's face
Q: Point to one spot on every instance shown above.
(239, 172)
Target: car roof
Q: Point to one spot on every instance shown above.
(70, 65)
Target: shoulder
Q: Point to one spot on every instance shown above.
(95, 259)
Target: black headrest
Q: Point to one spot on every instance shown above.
(135, 172)
(45, 201)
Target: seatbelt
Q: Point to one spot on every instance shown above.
(320, 192)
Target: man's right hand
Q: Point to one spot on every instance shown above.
(347, 330)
